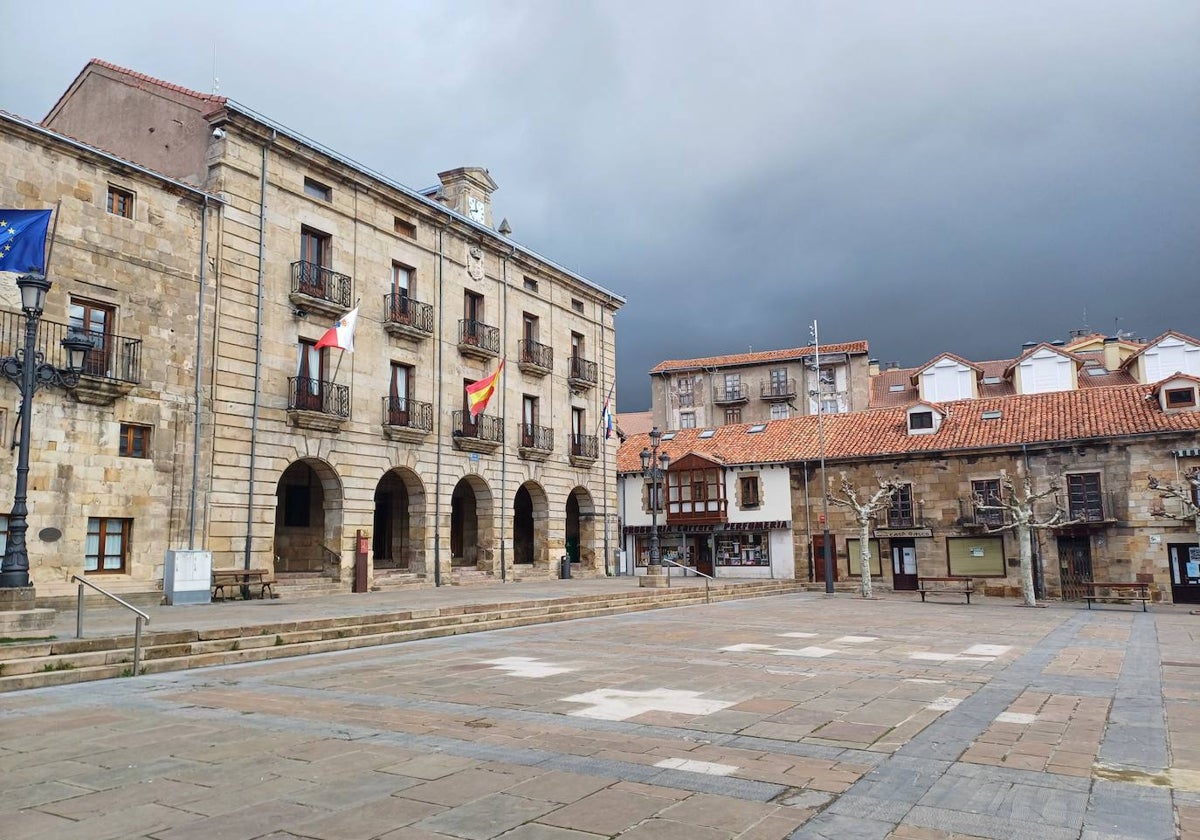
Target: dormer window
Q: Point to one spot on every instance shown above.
(1180, 397)
(923, 419)
(1178, 393)
(920, 420)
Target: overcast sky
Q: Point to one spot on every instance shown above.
(929, 176)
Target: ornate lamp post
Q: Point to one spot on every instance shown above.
(30, 371)
(655, 465)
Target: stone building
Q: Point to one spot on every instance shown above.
(1101, 444)
(115, 480)
(755, 387)
(313, 455)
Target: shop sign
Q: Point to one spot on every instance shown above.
(903, 532)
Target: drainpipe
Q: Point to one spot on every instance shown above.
(437, 481)
(196, 384)
(503, 414)
(1039, 581)
(258, 327)
(808, 523)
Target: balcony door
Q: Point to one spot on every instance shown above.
(529, 419)
(314, 254)
(399, 395)
(472, 317)
(401, 288)
(95, 319)
(310, 376)
(470, 428)
(577, 431)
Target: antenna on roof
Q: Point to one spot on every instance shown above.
(216, 81)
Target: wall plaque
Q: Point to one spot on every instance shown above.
(903, 532)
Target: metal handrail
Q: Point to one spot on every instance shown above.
(137, 630)
(707, 578)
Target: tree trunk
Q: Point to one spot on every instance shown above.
(1022, 533)
(864, 556)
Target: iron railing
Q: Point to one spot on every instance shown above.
(401, 309)
(117, 358)
(305, 394)
(777, 390)
(581, 370)
(536, 437)
(729, 393)
(483, 427)
(481, 335)
(322, 283)
(584, 446)
(140, 618)
(410, 414)
(532, 353)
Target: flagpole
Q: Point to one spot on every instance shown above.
(53, 232)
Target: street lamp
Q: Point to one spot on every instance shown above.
(655, 465)
(30, 371)
(827, 549)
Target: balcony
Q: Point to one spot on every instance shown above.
(901, 520)
(972, 518)
(535, 442)
(110, 370)
(729, 394)
(1097, 511)
(776, 390)
(534, 358)
(584, 449)
(478, 339)
(581, 374)
(320, 290)
(317, 404)
(404, 317)
(483, 434)
(407, 420)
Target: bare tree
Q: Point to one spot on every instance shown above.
(1017, 506)
(1186, 492)
(864, 512)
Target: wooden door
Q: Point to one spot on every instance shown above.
(904, 565)
(818, 557)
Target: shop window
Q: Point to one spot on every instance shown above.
(975, 556)
(854, 562)
(743, 550)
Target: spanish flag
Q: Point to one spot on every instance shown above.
(478, 393)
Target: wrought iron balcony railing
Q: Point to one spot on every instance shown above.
(305, 394)
(729, 394)
(479, 335)
(900, 520)
(581, 371)
(530, 352)
(321, 283)
(585, 446)
(484, 427)
(403, 310)
(406, 413)
(777, 390)
(536, 437)
(116, 358)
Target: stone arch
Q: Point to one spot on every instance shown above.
(472, 533)
(531, 519)
(398, 530)
(308, 518)
(581, 528)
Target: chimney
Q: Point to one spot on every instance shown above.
(872, 367)
(1058, 342)
(1028, 345)
(468, 190)
(1112, 352)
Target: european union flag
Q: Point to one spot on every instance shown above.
(23, 240)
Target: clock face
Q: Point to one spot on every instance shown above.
(475, 209)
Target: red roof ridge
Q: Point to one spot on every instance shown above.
(921, 368)
(1060, 350)
(208, 97)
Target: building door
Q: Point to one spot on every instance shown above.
(704, 558)
(904, 565)
(1185, 572)
(817, 555)
(1074, 565)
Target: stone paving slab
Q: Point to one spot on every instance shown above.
(912, 723)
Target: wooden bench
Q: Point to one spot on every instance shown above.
(1116, 591)
(241, 580)
(946, 586)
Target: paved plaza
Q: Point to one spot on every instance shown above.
(797, 716)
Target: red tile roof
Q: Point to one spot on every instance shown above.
(635, 422)
(142, 77)
(738, 359)
(1061, 416)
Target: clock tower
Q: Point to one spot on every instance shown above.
(468, 190)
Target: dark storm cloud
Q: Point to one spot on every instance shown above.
(929, 176)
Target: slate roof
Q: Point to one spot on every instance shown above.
(740, 359)
(1061, 416)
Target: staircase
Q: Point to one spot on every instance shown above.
(38, 664)
(292, 585)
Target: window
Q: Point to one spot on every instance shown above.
(404, 227)
(472, 317)
(733, 386)
(987, 491)
(97, 320)
(683, 385)
(695, 493)
(1083, 497)
(297, 501)
(399, 394)
(402, 277)
(529, 327)
(577, 305)
(135, 441)
(317, 190)
(107, 546)
(531, 285)
(310, 374)
(576, 345)
(780, 411)
(733, 415)
(975, 556)
(920, 420)
(3, 534)
(529, 419)
(687, 420)
(120, 202)
(779, 383)
(653, 495)
(895, 389)
(900, 513)
(830, 405)
(749, 491)
(315, 247)
(1181, 397)
(854, 561)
